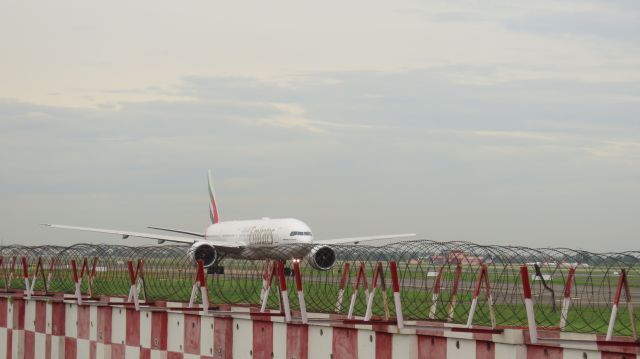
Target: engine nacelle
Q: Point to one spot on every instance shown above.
(321, 257)
(205, 251)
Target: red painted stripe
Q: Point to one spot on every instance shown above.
(192, 334)
(58, 315)
(29, 345)
(384, 348)
(41, 314)
(526, 288)
(25, 268)
(622, 278)
(9, 343)
(133, 327)
(47, 347)
(345, 273)
(159, 331)
(74, 270)
(345, 343)
(376, 272)
(431, 347)
(569, 284)
(145, 353)
(84, 319)
(3, 312)
(18, 314)
(93, 350)
(476, 291)
(296, 273)
(297, 341)
(174, 355)
(262, 340)
(132, 274)
(70, 348)
(541, 352)
(200, 276)
(118, 351)
(283, 282)
(456, 280)
(485, 349)
(104, 324)
(394, 276)
(223, 338)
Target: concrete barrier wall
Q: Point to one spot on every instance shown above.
(59, 328)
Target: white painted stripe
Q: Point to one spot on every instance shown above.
(434, 305)
(369, 313)
(406, 346)
(398, 304)
(145, 329)
(472, 311)
(3, 339)
(118, 325)
(242, 339)
(41, 346)
(612, 321)
(566, 303)
(352, 304)
(206, 335)
(303, 307)
(320, 342)
(366, 344)
(82, 347)
(287, 308)
(279, 340)
(30, 315)
(175, 332)
(533, 332)
(71, 320)
(339, 300)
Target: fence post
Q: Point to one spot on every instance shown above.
(343, 284)
(76, 280)
(436, 293)
(201, 283)
(622, 284)
(265, 296)
(528, 303)
(51, 269)
(283, 292)
(303, 306)
(360, 276)
(25, 275)
(454, 293)
(396, 293)
(566, 301)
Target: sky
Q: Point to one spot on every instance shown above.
(494, 122)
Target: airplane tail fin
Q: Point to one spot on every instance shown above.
(213, 208)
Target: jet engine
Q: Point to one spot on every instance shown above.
(321, 257)
(205, 251)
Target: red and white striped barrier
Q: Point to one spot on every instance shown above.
(136, 278)
(284, 295)
(566, 301)
(528, 303)
(343, 283)
(45, 329)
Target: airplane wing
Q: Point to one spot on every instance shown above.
(363, 239)
(159, 237)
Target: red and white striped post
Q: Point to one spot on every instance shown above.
(38, 270)
(25, 274)
(360, 276)
(343, 284)
(135, 277)
(528, 304)
(483, 276)
(283, 292)
(267, 289)
(622, 284)
(201, 283)
(377, 273)
(393, 267)
(92, 275)
(454, 293)
(266, 282)
(4, 274)
(436, 293)
(12, 269)
(566, 301)
(76, 281)
(303, 306)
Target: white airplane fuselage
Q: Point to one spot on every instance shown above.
(261, 232)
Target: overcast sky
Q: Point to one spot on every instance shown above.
(511, 122)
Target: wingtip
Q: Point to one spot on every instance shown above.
(46, 224)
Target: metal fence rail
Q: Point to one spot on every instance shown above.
(571, 289)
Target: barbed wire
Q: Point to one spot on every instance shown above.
(425, 268)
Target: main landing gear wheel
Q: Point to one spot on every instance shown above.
(215, 269)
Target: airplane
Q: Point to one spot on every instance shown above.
(266, 238)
